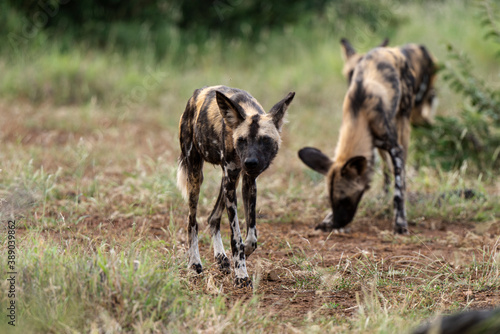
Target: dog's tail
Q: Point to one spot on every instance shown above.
(182, 177)
(187, 145)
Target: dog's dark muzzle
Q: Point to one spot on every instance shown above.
(252, 166)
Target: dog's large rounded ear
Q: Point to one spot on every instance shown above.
(232, 113)
(347, 49)
(278, 111)
(354, 167)
(315, 159)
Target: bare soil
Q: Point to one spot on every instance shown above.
(292, 267)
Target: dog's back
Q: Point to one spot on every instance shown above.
(422, 65)
(378, 83)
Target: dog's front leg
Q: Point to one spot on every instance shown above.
(237, 247)
(400, 223)
(214, 222)
(249, 193)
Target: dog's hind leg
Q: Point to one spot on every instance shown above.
(214, 223)
(398, 157)
(189, 180)
(389, 142)
(195, 179)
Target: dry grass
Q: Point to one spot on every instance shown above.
(101, 226)
(102, 240)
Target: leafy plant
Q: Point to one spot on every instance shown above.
(472, 137)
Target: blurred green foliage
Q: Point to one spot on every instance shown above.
(472, 138)
(136, 24)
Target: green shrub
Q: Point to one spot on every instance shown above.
(472, 137)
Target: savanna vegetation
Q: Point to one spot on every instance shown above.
(90, 97)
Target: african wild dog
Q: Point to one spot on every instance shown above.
(386, 84)
(227, 127)
(421, 114)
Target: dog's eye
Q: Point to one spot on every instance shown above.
(242, 141)
(266, 140)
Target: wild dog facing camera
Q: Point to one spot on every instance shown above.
(227, 127)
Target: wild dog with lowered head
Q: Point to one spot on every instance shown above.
(422, 113)
(386, 85)
(227, 127)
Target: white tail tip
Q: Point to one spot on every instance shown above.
(182, 181)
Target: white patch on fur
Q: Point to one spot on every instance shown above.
(400, 221)
(182, 181)
(194, 252)
(231, 166)
(218, 245)
(328, 219)
(241, 272)
(252, 236)
(251, 241)
(398, 181)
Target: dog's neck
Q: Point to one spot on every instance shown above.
(355, 139)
